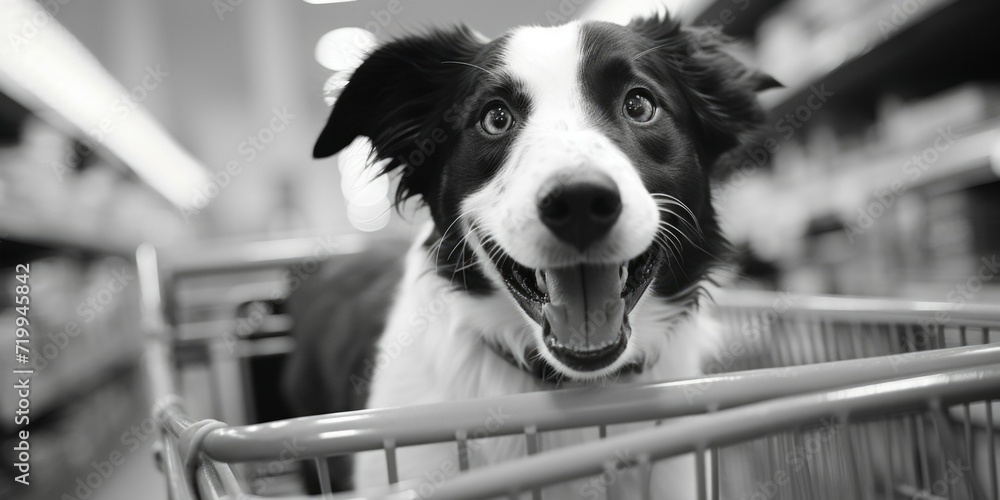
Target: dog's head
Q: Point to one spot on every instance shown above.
(566, 167)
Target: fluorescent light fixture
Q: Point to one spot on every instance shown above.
(48, 70)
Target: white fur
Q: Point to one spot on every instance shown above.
(558, 139)
(433, 350)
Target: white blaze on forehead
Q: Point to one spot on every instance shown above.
(547, 62)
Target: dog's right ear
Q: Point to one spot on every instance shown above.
(398, 93)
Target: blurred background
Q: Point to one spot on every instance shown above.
(189, 124)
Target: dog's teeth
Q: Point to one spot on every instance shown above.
(623, 275)
(540, 281)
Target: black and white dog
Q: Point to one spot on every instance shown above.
(566, 170)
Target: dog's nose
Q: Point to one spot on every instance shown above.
(580, 208)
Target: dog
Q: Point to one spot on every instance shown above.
(566, 171)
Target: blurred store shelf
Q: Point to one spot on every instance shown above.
(970, 161)
(737, 18)
(83, 181)
(34, 68)
(65, 233)
(888, 47)
(890, 183)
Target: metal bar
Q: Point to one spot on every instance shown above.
(390, 460)
(209, 484)
(365, 430)
(216, 481)
(462, 441)
(715, 473)
(700, 473)
(725, 427)
(323, 469)
(908, 443)
(220, 258)
(845, 308)
(178, 487)
(229, 482)
(226, 374)
(805, 487)
(890, 477)
(851, 456)
(925, 470)
(973, 487)
(646, 471)
(531, 442)
(992, 450)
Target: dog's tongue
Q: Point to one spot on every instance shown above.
(585, 308)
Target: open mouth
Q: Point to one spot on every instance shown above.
(583, 309)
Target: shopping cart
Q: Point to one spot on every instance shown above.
(808, 398)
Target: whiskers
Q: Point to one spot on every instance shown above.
(456, 249)
(484, 70)
(689, 224)
(669, 236)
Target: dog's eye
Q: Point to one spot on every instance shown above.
(638, 106)
(497, 119)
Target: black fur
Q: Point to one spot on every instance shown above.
(719, 89)
(416, 99)
(338, 316)
(710, 106)
(419, 99)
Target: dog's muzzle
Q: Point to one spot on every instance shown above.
(583, 309)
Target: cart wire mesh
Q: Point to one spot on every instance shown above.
(807, 397)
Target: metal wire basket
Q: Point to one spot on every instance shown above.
(809, 397)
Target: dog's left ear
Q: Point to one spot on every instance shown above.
(722, 91)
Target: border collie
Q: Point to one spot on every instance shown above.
(566, 170)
